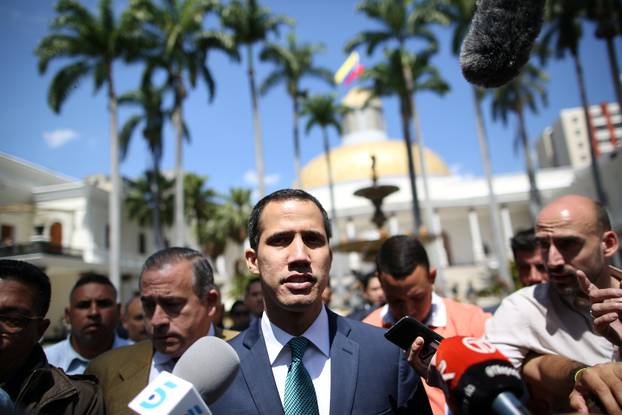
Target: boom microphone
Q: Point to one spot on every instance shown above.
(500, 39)
(480, 379)
(200, 376)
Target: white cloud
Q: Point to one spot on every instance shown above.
(59, 137)
(458, 170)
(250, 177)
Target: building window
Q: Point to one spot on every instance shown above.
(8, 235)
(142, 246)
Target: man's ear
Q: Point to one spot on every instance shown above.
(251, 260)
(212, 301)
(432, 275)
(66, 316)
(610, 243)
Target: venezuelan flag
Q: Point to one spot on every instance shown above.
(349, 70)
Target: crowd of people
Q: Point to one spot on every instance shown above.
(562, 330)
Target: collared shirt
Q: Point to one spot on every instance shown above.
(63, 355)
(537, 319)
(162, 362)
(316, 358)
(437, 317)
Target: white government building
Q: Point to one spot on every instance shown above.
(60, 224)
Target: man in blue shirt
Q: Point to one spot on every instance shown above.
(93, 315)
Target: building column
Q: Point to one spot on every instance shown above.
(394, 228)
(476, 237)
(436, 220)
(506, 224)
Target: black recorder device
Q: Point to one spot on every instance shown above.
(407, 329)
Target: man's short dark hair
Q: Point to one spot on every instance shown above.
(202, 273)
(524, 241)
(31, 276)
(126, 306)
(254, 228)
(92, 278)
(252, 281)
(367, 278)
(399, 255)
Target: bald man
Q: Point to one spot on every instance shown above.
(546, 329)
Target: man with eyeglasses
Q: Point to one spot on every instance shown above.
(28, 383)
(93, 315)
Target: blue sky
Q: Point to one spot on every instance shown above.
(75, 142)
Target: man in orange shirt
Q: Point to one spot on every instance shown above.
(408, 281)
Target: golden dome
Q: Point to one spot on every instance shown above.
(353, 163)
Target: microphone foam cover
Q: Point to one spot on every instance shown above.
(499, 40)
(210, 364)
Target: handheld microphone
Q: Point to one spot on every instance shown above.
(480, 379)
(500, 39)
(200, 376)
(210, 364)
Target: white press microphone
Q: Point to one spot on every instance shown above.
(200, 376)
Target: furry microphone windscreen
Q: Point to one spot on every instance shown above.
(500, 39)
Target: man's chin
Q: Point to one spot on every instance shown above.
(169, 347)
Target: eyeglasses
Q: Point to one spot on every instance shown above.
(14, 323)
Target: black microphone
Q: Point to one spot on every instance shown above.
(479, 378)
(500, 39)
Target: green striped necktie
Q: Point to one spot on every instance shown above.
(300, 396)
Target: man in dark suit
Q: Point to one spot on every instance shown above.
(300, 357)
(179, 302)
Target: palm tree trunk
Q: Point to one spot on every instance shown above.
(495, 221)
(114, 200)
(615, 71)
(179, 175)
(412, 175)
(535, 202)
(598, 184)
(156, 194)
(297, 165)
(331, 186)
(427, 208)
(259, 160)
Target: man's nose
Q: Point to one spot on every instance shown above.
(159, 317)
(534, 275)
(554, 259)
(298, 251)
(93, 309)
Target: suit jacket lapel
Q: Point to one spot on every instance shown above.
(344, 360)
(255, 366)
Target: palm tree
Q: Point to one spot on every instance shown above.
(460, 13)
(91, 43)
(149, 98)
(180, 48)
(293, 62)
(402, 21)
(235, 213)
(140, 200)
(200, 203)
(563, 27)
(608, 17)
(251, 24)
(516, 97)
(324, 111)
